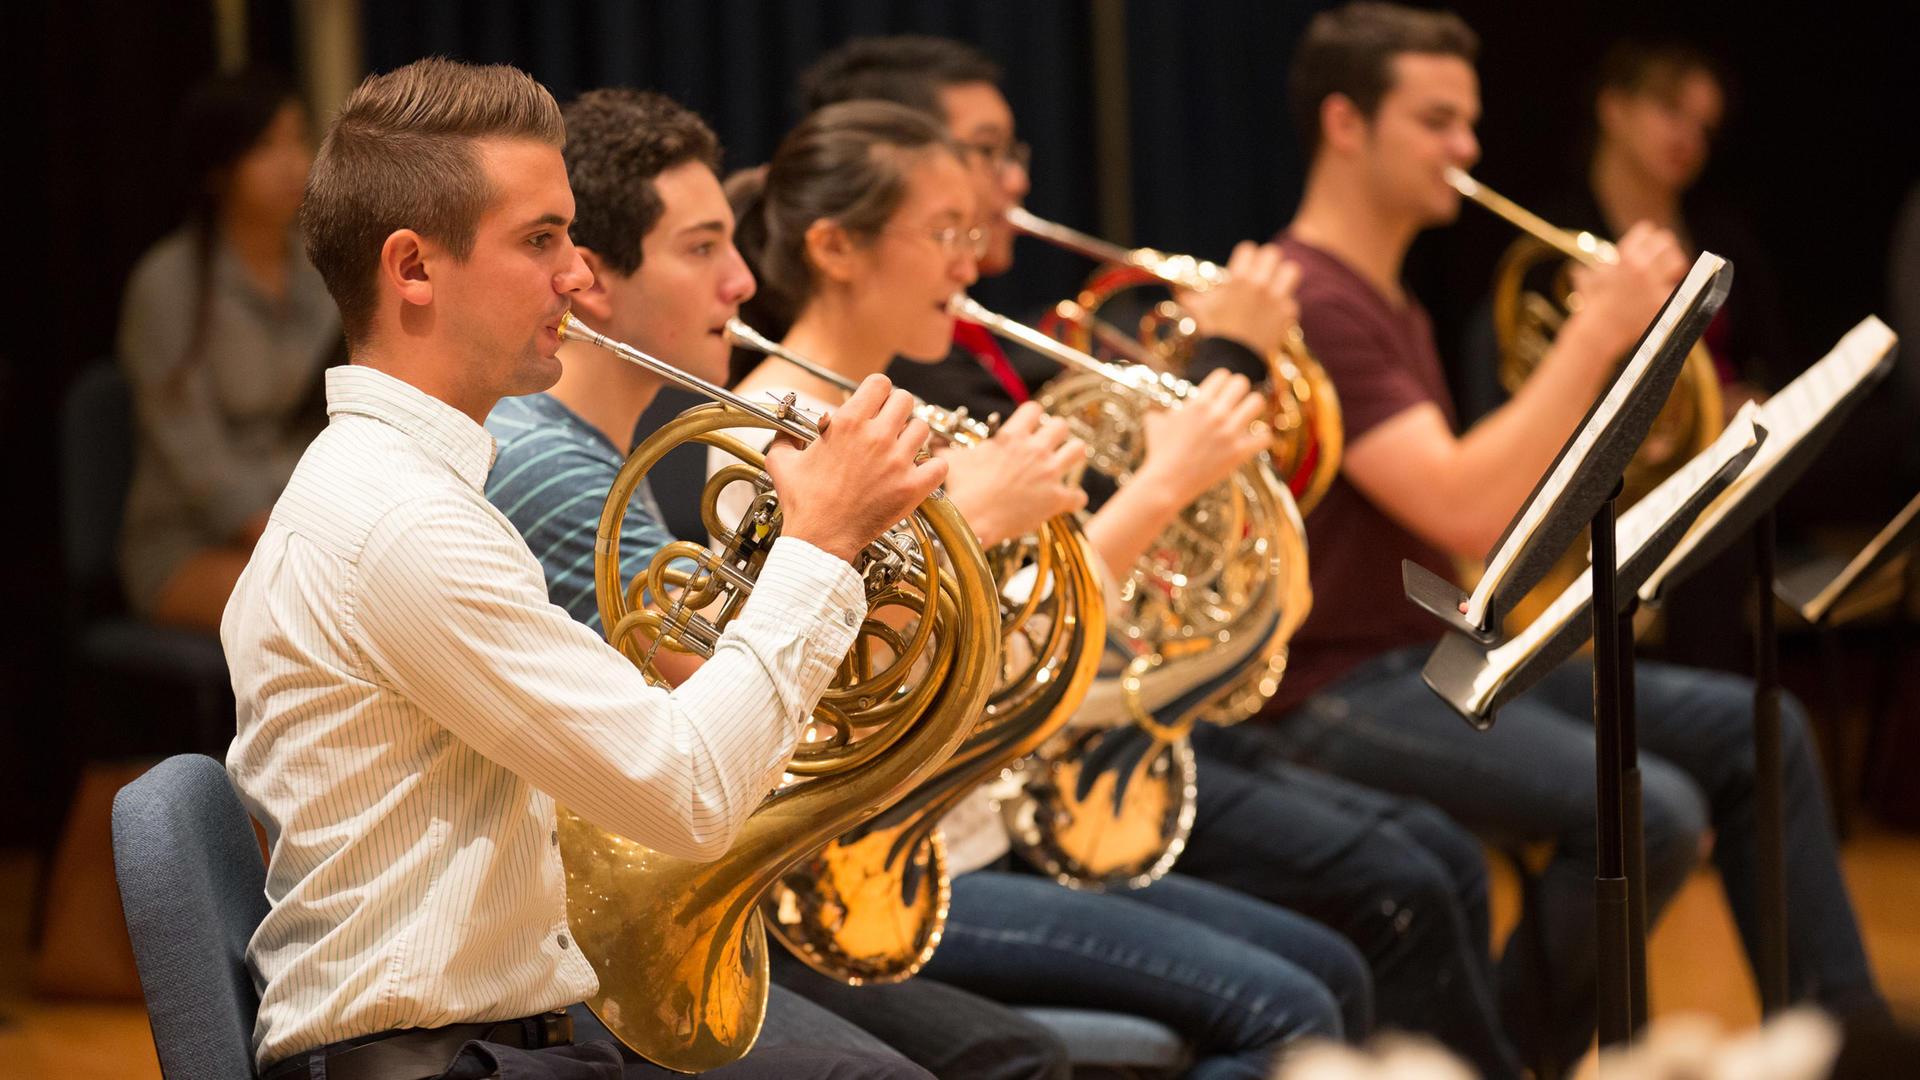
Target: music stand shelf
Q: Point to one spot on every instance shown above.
(1817, 591)
(1476, 678)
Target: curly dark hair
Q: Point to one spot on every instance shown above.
(617, 142)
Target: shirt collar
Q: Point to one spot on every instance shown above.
(446, 432)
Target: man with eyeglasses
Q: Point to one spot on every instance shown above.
(1401, 880)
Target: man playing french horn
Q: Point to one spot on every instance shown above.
(1405, 884)
(411, 706)
(1385, 99)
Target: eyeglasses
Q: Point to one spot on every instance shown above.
(952, 239)
(998, 157)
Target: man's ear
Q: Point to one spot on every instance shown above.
(831, 250)
(403, 266)
(593, 302)
(1342, 127)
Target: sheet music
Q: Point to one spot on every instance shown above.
(1632, 530)
(1542, 504)
(1788, 417)
(1817, 609)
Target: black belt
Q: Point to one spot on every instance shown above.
(418, 1053)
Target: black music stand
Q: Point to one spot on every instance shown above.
(1802, 418)
(1816, 590)
(1820, 592)
(1476, 680)
(1578, 491)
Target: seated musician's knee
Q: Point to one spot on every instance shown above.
(1453, 847)
(1677, 823)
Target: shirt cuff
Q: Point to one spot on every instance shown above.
(803, 580)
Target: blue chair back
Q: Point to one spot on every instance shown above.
(193, 888)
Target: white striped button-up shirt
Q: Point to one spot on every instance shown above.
(411, 706)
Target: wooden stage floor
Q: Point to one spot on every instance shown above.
(1695, 962)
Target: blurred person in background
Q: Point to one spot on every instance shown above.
(1657, 109)
(223, 334)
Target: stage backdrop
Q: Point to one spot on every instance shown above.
(1818, 152)
(736, 62)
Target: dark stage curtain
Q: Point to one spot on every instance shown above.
(1214, 157)
(737, 62)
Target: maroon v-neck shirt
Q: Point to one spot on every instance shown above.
(1381, 358)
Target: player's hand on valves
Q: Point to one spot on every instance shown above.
(863, 473)
(1219, 428)
(1255, 306)
(1621, 298)
(1009, 484)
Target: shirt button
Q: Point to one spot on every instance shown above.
(850, 618)
(562, 939)
(555, 837)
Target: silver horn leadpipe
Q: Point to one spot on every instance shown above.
(1183, 271)
(739, 333)
(953, 425)
(1165, 390)
(782, 415)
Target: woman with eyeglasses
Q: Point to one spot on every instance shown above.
(860, 229)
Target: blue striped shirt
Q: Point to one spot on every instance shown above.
(551, 479)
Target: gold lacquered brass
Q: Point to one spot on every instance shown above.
(1155, 330)
(870, 907)
(1533, 296)
(1227, 579)
(679, 946)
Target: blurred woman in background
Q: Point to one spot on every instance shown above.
(223, 334)
(1657, 109)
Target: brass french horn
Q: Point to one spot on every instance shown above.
(1305, 412)
(679, 946)
(1212, 603)
(869, 908)
(1525, 322)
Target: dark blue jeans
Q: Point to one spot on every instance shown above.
(1531, 778)
(951, 1033)
(1237, 978)
(1397, 877)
